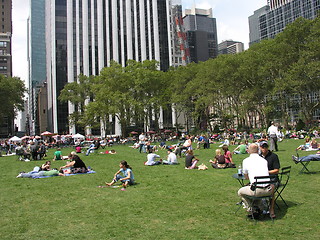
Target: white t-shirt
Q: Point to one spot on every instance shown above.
(151, 159)
(254, 166)
(273, 130)
(142, 139)
(172, 158)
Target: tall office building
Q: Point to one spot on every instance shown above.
(230, 47)
(83, 36)
(7, 127)
(5, 38)
(37, 65)
(179, 44)
(270, 20)
(201, 31)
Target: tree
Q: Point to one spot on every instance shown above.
(78, 93)
(12, 90)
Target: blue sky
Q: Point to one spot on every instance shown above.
(231, 15)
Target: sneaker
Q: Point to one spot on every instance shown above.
(295, 159)
(19, 175)
(27, 160)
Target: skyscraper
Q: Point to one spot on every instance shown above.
(270, 20)
(201, 31)
(36, 64)
(5, 38)
(230, 47)
(84, 36)
(6, 55)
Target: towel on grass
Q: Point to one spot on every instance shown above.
(65, 174)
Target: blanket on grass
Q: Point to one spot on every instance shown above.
(64, 175)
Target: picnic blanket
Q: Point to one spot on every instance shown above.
(64, 175)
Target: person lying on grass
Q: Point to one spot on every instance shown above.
(127, 175)
(53, 172)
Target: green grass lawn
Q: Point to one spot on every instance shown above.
(168, 202)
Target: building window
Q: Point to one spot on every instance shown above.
(3, 44)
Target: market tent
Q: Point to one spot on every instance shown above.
(78, 136)
(15, 139)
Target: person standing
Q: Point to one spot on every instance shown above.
(142, 141)
(254, 166)
(273, 133)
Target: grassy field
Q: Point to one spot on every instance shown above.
(168, 202)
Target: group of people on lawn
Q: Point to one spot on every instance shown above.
(260, 162)
(73, 166)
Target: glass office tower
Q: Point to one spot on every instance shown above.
(83, 36)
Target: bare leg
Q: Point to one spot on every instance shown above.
(111, 183)
(272, 214)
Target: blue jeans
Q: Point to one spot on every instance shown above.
(118, 177)
(32, 174)
(169, 163)
(313, 157)
(90, 150)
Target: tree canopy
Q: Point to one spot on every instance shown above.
(275, 79)
(12, 90)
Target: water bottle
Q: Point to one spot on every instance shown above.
(240, 170)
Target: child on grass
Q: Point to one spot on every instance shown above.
(219, 160)
(126, 179)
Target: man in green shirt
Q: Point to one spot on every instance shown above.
(241, 149)
(57, 155)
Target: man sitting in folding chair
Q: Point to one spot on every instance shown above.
(272, 158)
(255, 166)
(306, 160)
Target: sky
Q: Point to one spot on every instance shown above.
(231, 16)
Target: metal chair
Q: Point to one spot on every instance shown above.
(261, 182)
(284, 177)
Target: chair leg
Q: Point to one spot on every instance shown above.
(304, 167)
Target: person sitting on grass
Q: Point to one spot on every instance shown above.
(57, 155)
(228, 156)
(126, 178)
(241, 149)
(46, 166)
(191, 160)
(172, 158)
(219, 160)
(151, 159)
(75, 166)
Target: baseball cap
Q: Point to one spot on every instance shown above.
(263, 144)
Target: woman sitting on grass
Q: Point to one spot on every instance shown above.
(219, 160)
(228, 156)
(75, 166)
(46, 166)
(191, 160)
(127, 175)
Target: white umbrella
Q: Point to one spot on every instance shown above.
(46, 133)
(78, 136)
(15, 139)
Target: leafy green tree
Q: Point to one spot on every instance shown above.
(78, 93)
(12, 90)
